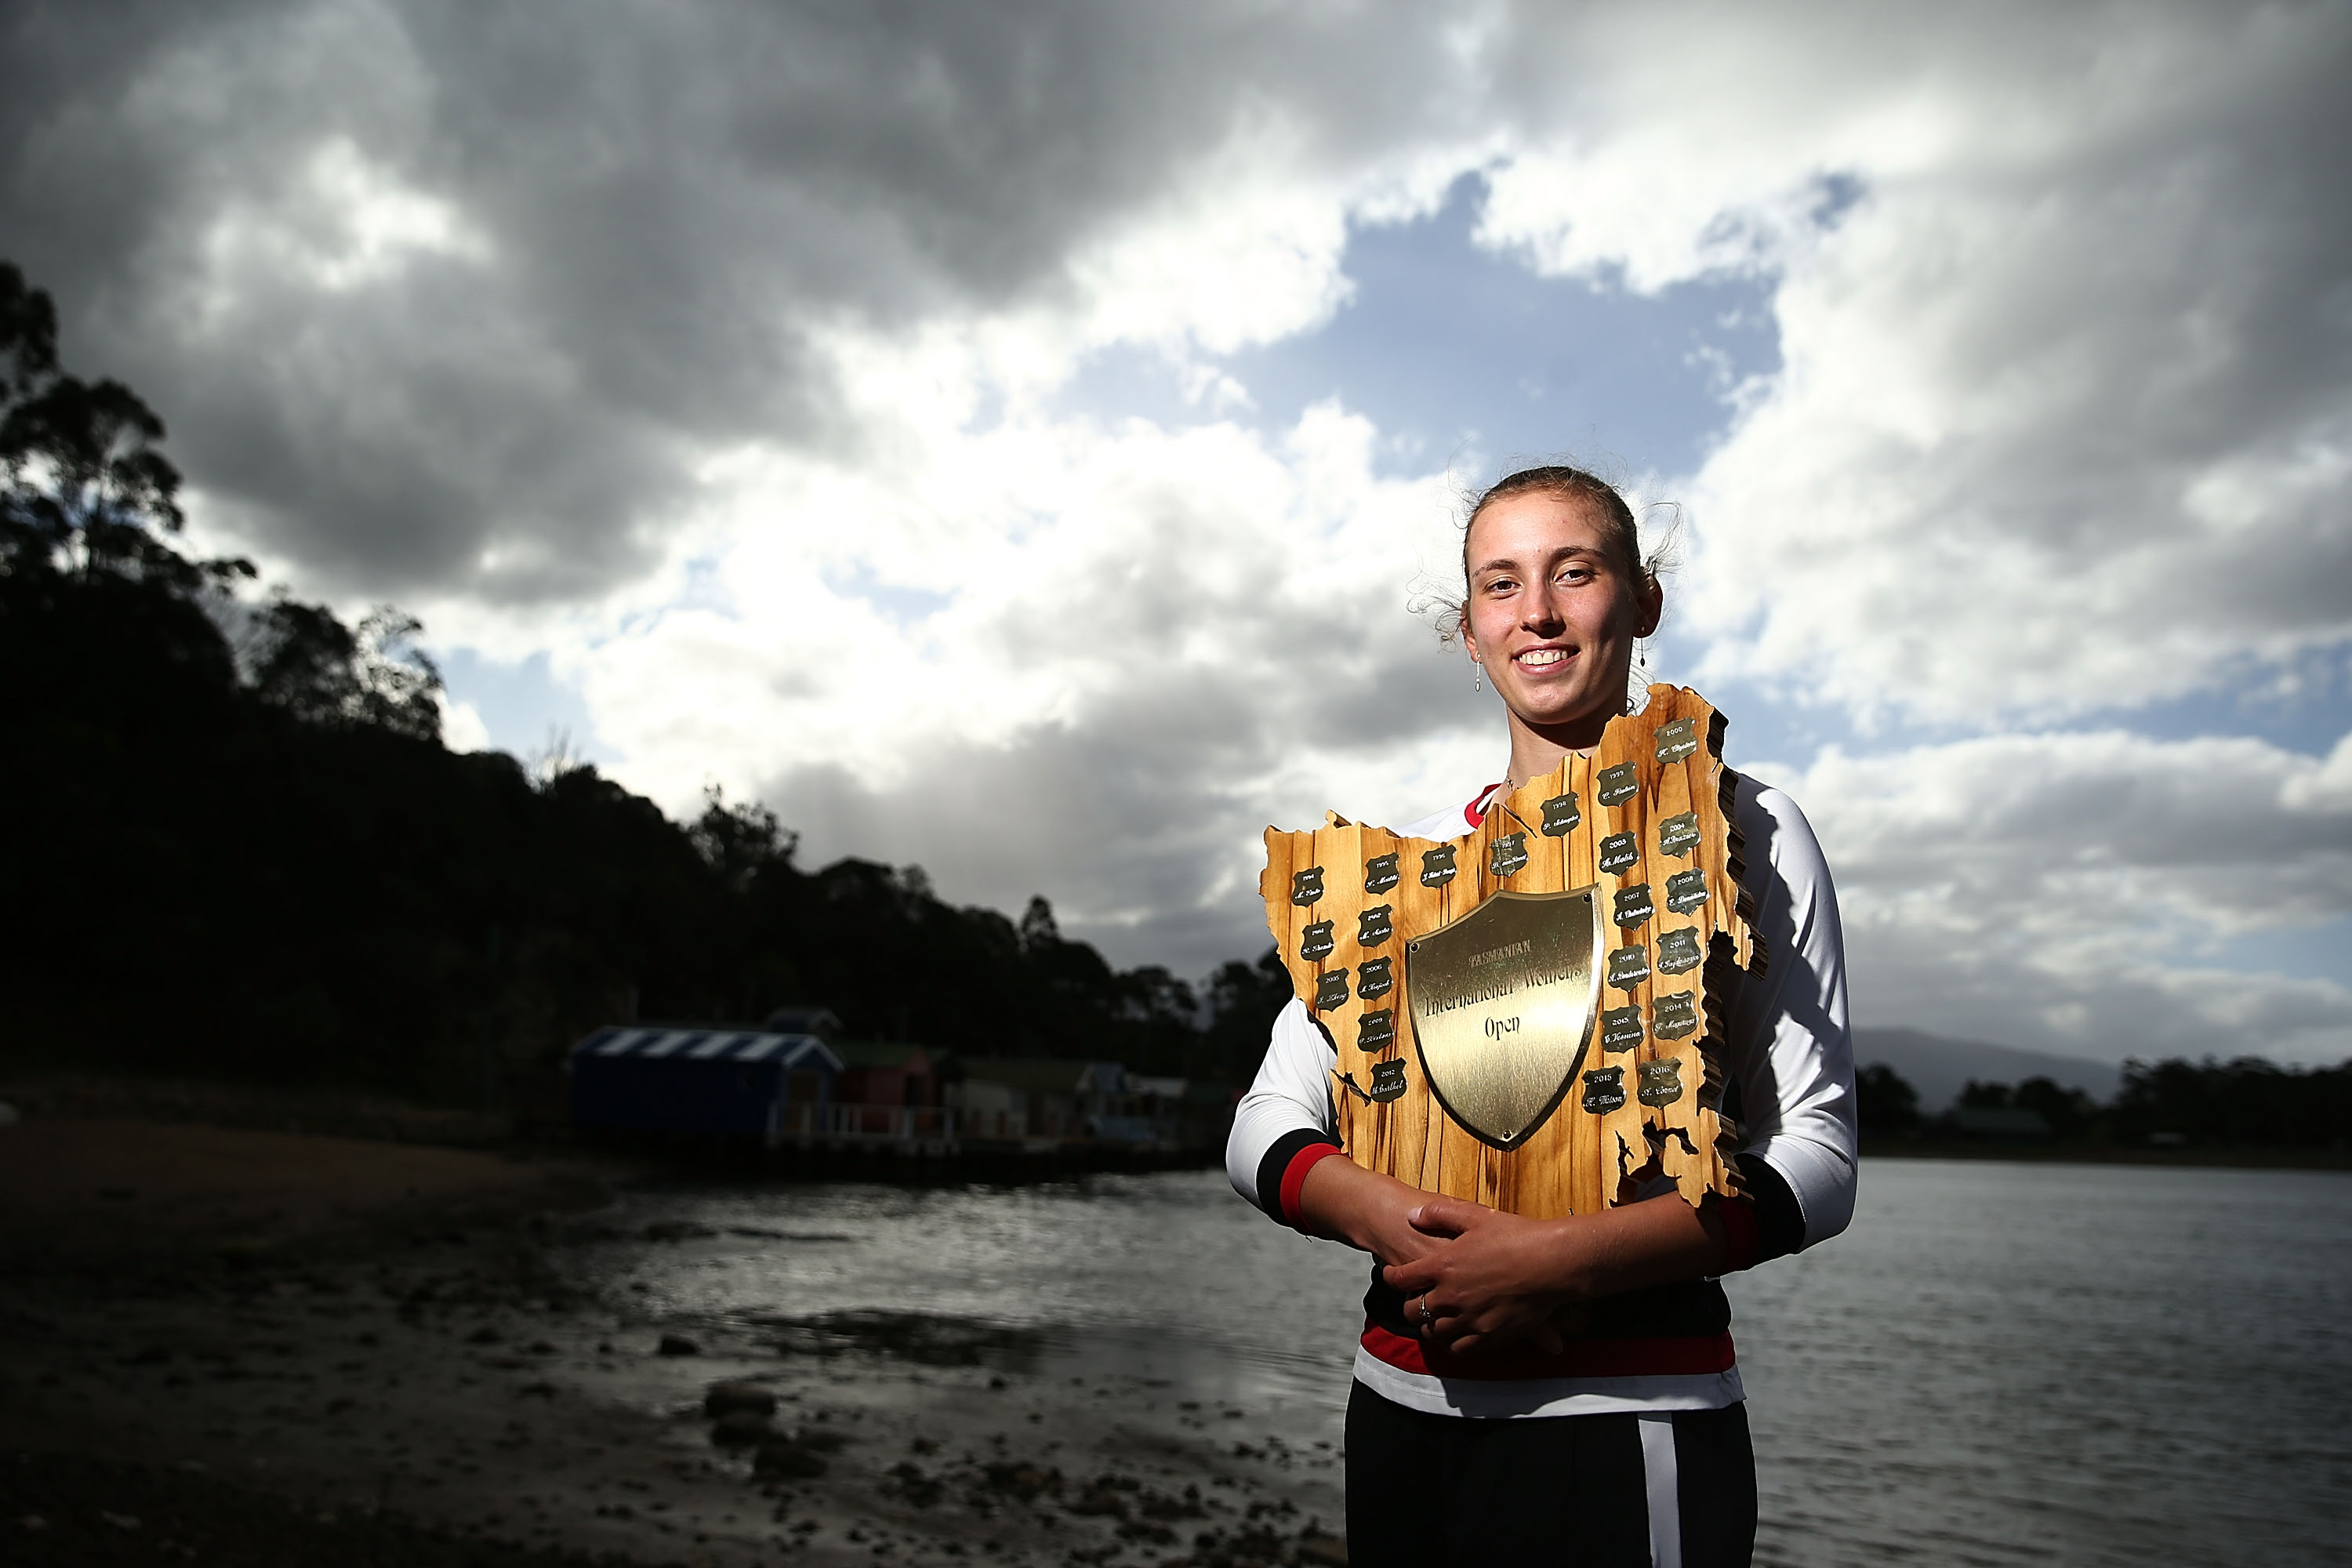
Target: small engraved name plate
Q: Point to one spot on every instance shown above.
(1507, 854)
(1372, 927)
(1316, 942)
(1633, 905)
(1437, 867)
(1621, 1028)
(1388, 1080)
(1620, 851)
(1560, 816)
(1376, 1031)
(1686, 891)
(1679, 834)
(1604, 1090)
(1629, 966)
(1373, 979)
(1380, 874)
(1619, 785)
(1330, 990)
(1678, 951)
(1307, 886)
(1675, 1014)
(1677, 739)
(1662, 1080)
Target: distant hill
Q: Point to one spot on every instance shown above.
(1939, 1068)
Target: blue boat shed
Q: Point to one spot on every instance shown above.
(747, 1082)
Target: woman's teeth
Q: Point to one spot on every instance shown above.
(1534, 657)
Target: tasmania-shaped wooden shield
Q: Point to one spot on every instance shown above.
(1533, 1015)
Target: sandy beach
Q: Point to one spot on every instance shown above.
(234, 1344)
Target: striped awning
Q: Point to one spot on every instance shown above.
(707, 1046)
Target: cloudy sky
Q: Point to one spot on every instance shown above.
(1014, 439)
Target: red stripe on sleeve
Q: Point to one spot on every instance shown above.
(1294, 1178)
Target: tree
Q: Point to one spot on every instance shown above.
(301, 658)
(86, 490)
(2069, 1112)
(1885, 1105)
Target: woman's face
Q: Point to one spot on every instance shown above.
(1552, 614)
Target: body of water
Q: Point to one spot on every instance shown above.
(1999, 1364)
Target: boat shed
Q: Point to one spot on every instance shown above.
(743, 1082)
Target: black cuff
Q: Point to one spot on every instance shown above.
(1780, 1223)
(1276, 1165)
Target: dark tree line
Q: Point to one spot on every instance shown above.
(235, 846)
(2248, 1102)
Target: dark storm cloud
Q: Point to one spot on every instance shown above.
(644, 211)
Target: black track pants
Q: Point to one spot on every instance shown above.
(1609, 1491)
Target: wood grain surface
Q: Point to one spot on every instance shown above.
(1576, 1161)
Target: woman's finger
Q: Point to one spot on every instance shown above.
(1412, 1279)
(1444, 1217)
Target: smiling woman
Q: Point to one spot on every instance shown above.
(1560, 1384)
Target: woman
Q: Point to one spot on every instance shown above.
(1564, 1390)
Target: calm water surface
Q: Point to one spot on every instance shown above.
(1998, 1363)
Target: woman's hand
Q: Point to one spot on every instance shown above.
(1491, 1278)
(1369, 1212)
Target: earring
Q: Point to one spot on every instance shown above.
(1477, 676)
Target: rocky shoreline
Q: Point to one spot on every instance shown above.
(426, 1376)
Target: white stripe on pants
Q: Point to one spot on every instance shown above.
(1662, 1482)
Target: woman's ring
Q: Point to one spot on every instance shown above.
(1427, 1317)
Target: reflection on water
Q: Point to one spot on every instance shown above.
(1999, 1364)
(2060, 1364)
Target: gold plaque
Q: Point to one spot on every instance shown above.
(1503, 1001)
(1566, 1076)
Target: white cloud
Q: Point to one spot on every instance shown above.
(462, 729)
(712, 356)
(2078, 890)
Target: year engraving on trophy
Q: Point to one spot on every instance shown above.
(1678, 835)
(1560, 816)
(1633, 905)
(1629, 966)
(1380, 874)
(1437, 867)
(1618, 851)
(1315, 941)
(1307, 886)
(1373, 979)
(1678, 951)
(1507, 854)
(1686, 891)
(1604, 1090)
(1372, 926)
(1677, 739)
(1617, 785)
(1621, 1028)
(1675, 1014)
(1330, 990)
(1662, 1081)
(1388, 1080)
(1376, 1031)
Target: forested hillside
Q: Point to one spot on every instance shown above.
(236, 846)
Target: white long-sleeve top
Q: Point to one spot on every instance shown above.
(1790, 1094)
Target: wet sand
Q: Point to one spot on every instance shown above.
(273, 1343)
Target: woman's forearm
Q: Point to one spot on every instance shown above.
(1341, 1200)
(1657, 1242)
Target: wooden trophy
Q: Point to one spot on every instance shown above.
(1533, 1015)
